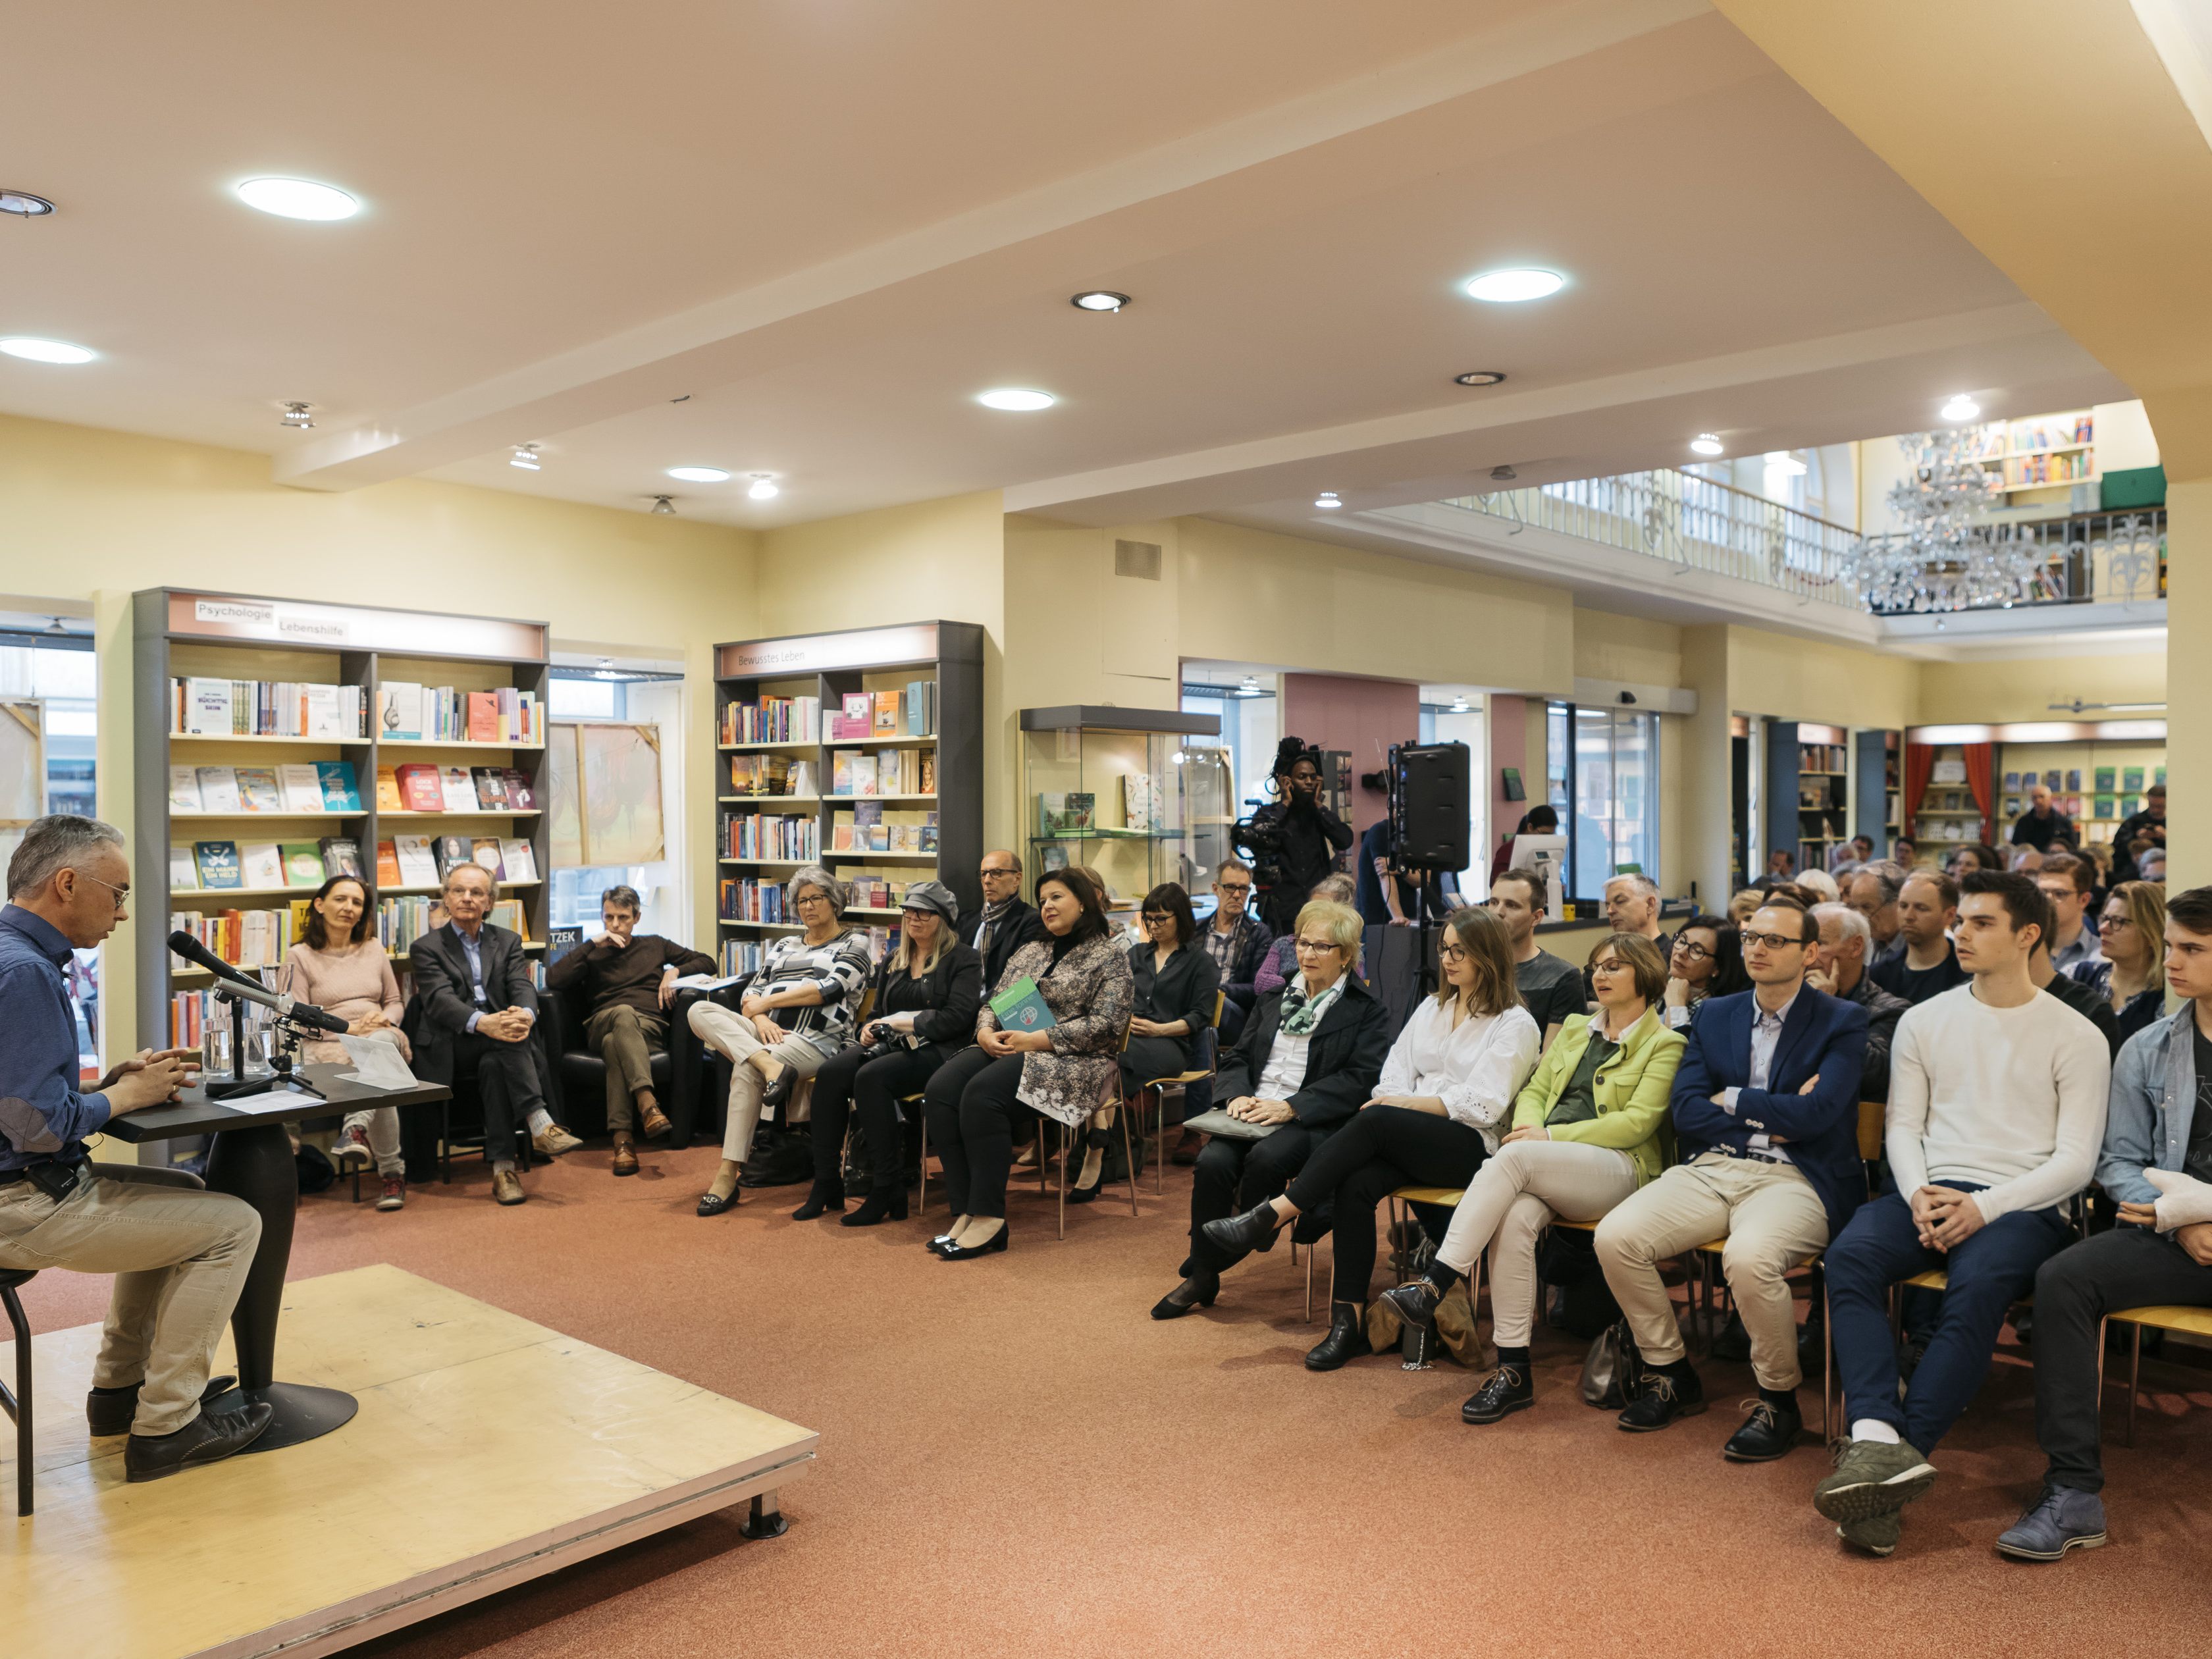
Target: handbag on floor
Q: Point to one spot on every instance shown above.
(1611, 1368)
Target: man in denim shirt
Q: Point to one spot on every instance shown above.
(180, 1255)
(2156, 1163)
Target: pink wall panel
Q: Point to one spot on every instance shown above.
(1509, 746)
(1363, 717)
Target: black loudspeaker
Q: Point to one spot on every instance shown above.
(1432, 792)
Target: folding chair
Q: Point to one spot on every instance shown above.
(1155, 1090)
(2193, 1322)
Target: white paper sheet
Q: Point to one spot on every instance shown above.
(377, 1064)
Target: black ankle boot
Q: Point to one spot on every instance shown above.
(824, 1195)
(1234, 1237)
(1346, 1339)
(882, 1203)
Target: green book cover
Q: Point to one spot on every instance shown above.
(2131, 780)
(1020, 1008)
(2105, 777)
(303, 864)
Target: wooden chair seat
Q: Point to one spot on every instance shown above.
(2192, 1321)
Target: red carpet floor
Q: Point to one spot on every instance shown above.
(1016, 1460)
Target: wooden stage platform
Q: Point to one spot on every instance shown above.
(489, 1450)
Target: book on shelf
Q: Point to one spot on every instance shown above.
(303, 864)
(2050, 779)
(771, 835)
(864, 773)
(300, 786)
(418, 862)
(203, 706)
(920, 708)
(184, 874)
(773, 720)
(456, 792)
(2011, 782)
(452, 852)
(760, 774)
(2102, 806)
(260, 865)
(521, 792)
(258, 791)
(2159, 777)
(517, 858)
(387, 790)
(388, 864)
(244, 939)
(2073, 779)
(420, 788)
(890, 707)
(218, 863)
(490, 785)
(399, 708)
(483, 717)
(339, 794)
(484, 850)
(2105, 777)
(341, 856)
(1138, 801)
(2131, 780)
(184, 790)
(1065, 812)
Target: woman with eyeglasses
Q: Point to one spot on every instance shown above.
(2132, 974)
(1586, 1135)
(1450, 1079)
(1282, 961)
(1707, 960)
(1176, 985)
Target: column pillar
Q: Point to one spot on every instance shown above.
(2188, 684)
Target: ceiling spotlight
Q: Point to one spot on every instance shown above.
(1015, 397)
(764, 487)
(1459, 706)
(606, 670)
(24, 205)
(699, 474)
(1099, 299)
(1249, 687)
(298, 198)
(1509, 286)
(1503, 474)
(35, 350)
(1707, 443)
(1961, 408)
(298, 418)
(1782, 461)
(664, 506)
(55, 627)
(1480, 377)
(526, 457)
(1326, 501)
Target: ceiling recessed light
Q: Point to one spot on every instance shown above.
(1707, 443)
(1099, 299)
(298, 198)
(1459, 706)
(1326, 501)
(1015, 397)
(1512, 285)
(1249, 687)
(33, 349)
(1782, 461)
(764, 487)
(297, 417)
(664, 506)
(526, 457)
(24, 205)
(1961, 408)
(699, 474)
(1480, 377)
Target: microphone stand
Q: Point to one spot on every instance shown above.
(286, 1039)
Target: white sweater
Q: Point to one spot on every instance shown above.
(2012, 1098)
(1477, 1071)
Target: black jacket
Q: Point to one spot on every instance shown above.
(1883, 1011)
(1313, 837)
(944, 1000)
(1344, 1060)
(1247, 951)
(1020, 925)
(1184, 990)
(438, 1014)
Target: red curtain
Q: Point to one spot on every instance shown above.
(1980, 757)
(1919, 766)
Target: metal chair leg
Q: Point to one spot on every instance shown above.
(21, 1405)
(1827, 1366)
(1128, 1156)
(921, 1198)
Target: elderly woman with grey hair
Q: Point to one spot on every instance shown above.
(796, 1011)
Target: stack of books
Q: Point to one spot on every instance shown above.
(773, 720)
(301, 788)
(439, 713)
(267, 708)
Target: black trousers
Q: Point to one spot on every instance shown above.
(972, 1112)
(2126, 1267)
(868, 1091)
(1233, 1176)
(1381, 1150)
(507, 1084)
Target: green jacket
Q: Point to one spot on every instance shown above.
(1632, 1090)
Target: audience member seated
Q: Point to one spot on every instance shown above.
(1819, 887)
(1310, 1054)
(796, 1011)
(2127, 974)
(2138, 828)
(1238, 942)
(2156, 1163)
(474, 1014)
(1450, 1079)
(1585, 1136)
(1928, 966)
(1550, 988)
(1707, 960)
(2150, 865)
(1873, 893)
(1975, 855)
(1997, 1110)
(926, 994)
(1176, 980)
(1781, 865)
(1282, 962)
(1846, 855)
(626, 980)
(1542, 819)
(1632, 906)
(1838, 969)
(2068, 880)
(342, 967)
(1745, 904)
(2043, 826)
(1312, 834)
(1765, 1112)
(2083, 1000)
(1062, 1071)
(1006, 923)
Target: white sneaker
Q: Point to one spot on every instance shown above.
(351, 1145)
(554, 1140)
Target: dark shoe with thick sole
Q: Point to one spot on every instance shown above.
(882, 1204)
(1346, 1339)
(1416, 1303)
(1877, 1535)
(208, 1438)
(1197, 1292)
(625, 1162)
(1234, 1237)
(111, 1413)
(822, 1195)
(2060, 1519)
(992, 1246)
(1510, 1389)
(1769, 1433)
(1660, 1399)
(1873, 1478)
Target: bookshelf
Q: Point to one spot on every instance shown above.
(2098, 784)
(360, 650)
(2047, 451)
(1823, 793)
(789, 785)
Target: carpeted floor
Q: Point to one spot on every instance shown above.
(1015, 1459)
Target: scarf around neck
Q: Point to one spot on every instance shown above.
(1301, 1013)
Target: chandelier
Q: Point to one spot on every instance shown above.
(1947, 556)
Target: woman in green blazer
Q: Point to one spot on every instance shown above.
(1587, 1133)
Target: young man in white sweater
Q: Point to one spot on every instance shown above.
(1997, 1110)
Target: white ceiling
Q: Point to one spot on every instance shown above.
(826, 225)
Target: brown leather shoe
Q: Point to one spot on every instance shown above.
(506, 1188)
(656, 1123)
(1186, 1150)
(625, 1153)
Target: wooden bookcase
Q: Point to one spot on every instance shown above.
(181, 634)
(829, 667)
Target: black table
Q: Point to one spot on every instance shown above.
(252, 1159)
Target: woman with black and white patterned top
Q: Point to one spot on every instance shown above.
(797, 1011)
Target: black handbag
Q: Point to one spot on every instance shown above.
(1611, 1368)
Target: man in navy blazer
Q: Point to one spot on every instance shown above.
(1765, 1114)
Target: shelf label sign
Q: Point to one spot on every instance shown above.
(915, 642)
(356, 627)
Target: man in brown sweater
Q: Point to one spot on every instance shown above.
(629, 979)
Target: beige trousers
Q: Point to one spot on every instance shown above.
(180, 1255)
(731, 1035)
(1512, 1199)
(1772, 1220)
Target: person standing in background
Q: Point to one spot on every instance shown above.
(2043, 826)
(1312, 834)
(2150, 825)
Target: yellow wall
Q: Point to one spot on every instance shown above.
(1632, 649)
(1797, 679)
(2024, 688)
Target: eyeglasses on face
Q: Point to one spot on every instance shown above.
(992, 870)
(122, 893)
(1154, 918)
(2104, 922)
(1320, 947)
(1452, 952)
(1691, 951)
(1773, 941)
(811, 898)
(1227, 888)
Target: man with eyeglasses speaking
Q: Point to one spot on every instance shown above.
(180, 1255)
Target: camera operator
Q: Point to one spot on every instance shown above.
(1308, 834)
(180, 1255)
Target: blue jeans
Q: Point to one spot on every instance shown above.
(1988, 1274)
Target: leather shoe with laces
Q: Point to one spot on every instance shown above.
(1510, 1389)
(506, 1188)
(1767, 1433)
(2061, 1518)
(1661, 1397)
(208, 1438)
(1415, 1301)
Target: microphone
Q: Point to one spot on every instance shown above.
(252, 990)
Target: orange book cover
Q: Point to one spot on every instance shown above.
(483, 717)
(887, 713)
(387, 790)
(387, 864)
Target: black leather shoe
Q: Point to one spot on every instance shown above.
(710, 1205)
(997, 1242)
(1733, 1342)
(882, 1203)
(1237, 1237)
(1346, 1339)
(111, 1413)
(208, 1438)
(938, 1245)
(1768, 1433)
(1197, 1292)
(1660, 1399)
(777, 1092)
(824, 1195)
(1098, 1140)
(1416, 1302)
(1510, 1389)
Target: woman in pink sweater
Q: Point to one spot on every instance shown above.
(341, 967)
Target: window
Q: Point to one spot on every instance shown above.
(573, 891)
(1602, 772)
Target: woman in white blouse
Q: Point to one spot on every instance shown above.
(1446, 1089)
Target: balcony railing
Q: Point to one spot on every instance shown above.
(2096, 557)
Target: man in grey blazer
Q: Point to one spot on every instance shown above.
(475, 1012)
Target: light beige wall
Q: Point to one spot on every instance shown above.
(1632, 649)
(1798, 679)
(2024, 688)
